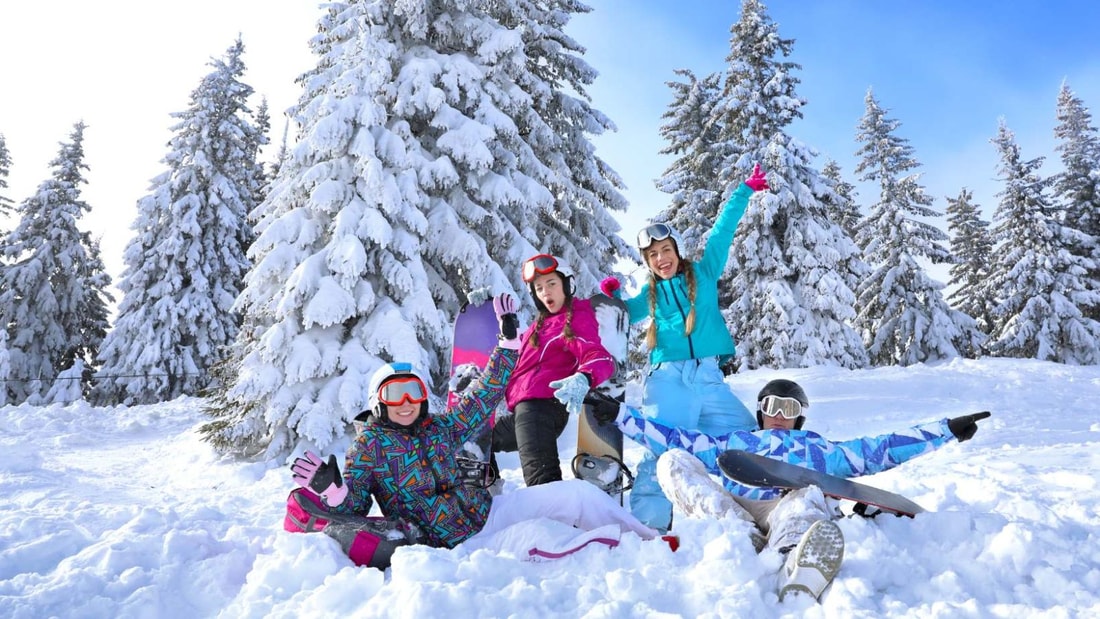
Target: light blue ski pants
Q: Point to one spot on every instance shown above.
(693, 395)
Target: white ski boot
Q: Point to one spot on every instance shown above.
(813, 564)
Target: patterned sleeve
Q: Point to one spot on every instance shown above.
(870, 455)
(357, 477)
(480, 400)
(659, 438)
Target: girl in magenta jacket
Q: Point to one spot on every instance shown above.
(560, 359)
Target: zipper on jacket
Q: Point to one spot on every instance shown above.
(679, 308)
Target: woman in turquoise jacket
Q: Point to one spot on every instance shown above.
(687, 337)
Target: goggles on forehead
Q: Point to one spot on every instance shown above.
(652, 233)
(778, 406)
(404, 389)
(538, 265)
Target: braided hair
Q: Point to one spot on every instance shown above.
(687, 268)
(567, 328)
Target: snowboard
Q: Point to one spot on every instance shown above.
(599, 458)
(475, 337)
(756, 470)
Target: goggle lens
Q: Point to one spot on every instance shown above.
(538, 265)
(777, 406)
(407, 389)
(652, 233)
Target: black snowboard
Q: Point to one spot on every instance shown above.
(755, 470)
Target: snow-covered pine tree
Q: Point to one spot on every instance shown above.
(846, 211)
(972, 248)
(691, 134)
(790, 301)
(902, 313)
(438, 149)
(6, 204)
(547, 147)
(53, 292)
(1039, 283)
(186, 262)
(1077, 187)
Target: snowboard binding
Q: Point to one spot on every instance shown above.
(607, 473)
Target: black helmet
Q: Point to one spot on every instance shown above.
(785, 389)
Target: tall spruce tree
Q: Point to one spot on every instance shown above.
(1039, 284)
(439, 147)
(902, 312)
(186, 261)
(691, 133)
(53, 292)
(1077, 186)
(972, 248)
(790, 303)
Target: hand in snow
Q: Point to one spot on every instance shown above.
(504, 306)
(757, 181)
(571, 390)
(964, 427)
(322, 478)
(610, 286)
(478, 296)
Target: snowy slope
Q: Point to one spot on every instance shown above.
(124, 513)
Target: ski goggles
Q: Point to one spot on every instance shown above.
(404, 389)
(652, 233)
(538, 265)
(778, 406)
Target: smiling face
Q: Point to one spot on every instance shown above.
(404, 413)
(550, 291)
(662, 259)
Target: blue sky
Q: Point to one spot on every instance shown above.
(947, 70)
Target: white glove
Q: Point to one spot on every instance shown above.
(570, 391)
(478, 296)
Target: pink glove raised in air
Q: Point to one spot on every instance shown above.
(504, 306)
(610, 286)
(757, 180)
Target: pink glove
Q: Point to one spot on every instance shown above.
(610, 286)
(322, 478)
(757, 180)
(504, 306)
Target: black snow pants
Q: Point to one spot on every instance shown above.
(533, 430)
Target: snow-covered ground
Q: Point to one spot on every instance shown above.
(124, 512)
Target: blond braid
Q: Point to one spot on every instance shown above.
(689, 322)
(651, 330)
(689, 278)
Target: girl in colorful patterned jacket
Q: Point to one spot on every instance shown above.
(560, 359)
(407, 461)
(687, 339)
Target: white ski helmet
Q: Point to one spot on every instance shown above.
(390, 371)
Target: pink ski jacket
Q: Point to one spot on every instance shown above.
(556, 358)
